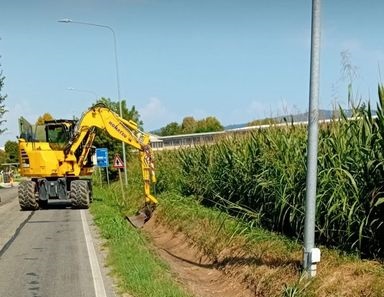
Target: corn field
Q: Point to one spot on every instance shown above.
(262, 176)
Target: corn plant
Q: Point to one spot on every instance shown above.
(264, 172)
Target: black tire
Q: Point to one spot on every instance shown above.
(43, 204)
(90, 191)
(27, 197)
(79, 194)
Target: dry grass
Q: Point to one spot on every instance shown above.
(269, 264)
(346, 276)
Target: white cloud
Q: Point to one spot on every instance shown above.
(155, 114)
(152, 109)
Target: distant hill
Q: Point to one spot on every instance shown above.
(234, 126)
(324, 114)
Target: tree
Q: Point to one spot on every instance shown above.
(266, 121)
(213, 124)
(171, 129)
(209, 124)
(188, 125)
(45, 117)
(2, 104)
(11, 148)
(103, 140)
(128, 114)
(3, 158)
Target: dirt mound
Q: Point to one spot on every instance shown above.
(197, 273)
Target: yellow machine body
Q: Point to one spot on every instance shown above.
(58, 156)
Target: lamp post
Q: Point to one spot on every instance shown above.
(83, 91)
(312, 254)
(66, 20)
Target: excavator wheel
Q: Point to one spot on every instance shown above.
(43, 204)
(79, 194)
(142, 215)
(26, 193)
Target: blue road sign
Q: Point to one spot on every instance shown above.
(102, 157)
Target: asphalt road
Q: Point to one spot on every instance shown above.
(48, 253)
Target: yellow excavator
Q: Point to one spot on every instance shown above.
(57, 159)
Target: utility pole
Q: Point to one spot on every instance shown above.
(312, 254)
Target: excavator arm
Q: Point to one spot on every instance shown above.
(100, 116)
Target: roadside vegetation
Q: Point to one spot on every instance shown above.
(241, 202)
(264, 261)
(137, 268)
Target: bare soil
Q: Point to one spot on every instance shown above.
(244, 269)
(198, 274)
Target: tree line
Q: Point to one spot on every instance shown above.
(190, 125)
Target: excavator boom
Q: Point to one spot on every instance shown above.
(99, 116)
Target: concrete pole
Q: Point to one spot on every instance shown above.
(311, 254)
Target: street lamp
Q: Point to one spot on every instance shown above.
(83, 91)
(66, 20)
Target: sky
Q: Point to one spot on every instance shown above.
(237, 60)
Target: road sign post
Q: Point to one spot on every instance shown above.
(102, 160)
(119, 164)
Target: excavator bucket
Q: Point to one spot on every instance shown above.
(138, 220)
(142, 216)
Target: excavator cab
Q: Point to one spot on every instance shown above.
(58, 133)
(53, 131)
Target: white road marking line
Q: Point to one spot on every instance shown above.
(96, 272)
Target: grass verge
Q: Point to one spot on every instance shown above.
(267, 262)
(136, 266)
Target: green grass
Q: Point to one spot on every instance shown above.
(137, 268)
